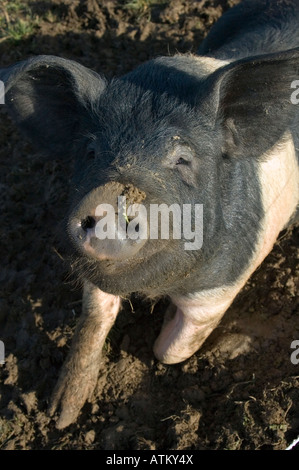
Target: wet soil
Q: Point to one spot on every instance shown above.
(240, 391)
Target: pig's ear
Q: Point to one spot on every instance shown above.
(50, 98)
(252, 102)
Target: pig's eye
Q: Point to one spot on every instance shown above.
(182, 161)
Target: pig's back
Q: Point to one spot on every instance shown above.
(254, 27)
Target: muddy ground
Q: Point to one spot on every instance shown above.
(240, 391)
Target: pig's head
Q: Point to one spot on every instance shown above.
(164, 134)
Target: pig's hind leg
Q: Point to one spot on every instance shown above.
(79, 373)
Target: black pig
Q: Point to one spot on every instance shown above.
(217, 130)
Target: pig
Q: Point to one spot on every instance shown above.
(217, 129)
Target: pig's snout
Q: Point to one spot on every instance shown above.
(108, 224)
(117, 244)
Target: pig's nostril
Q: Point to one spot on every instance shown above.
(88, 223)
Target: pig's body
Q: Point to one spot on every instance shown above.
(218, 129)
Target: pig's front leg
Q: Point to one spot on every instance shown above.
(188, 322)
(79, 373)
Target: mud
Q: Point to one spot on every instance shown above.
(133, 195)
(240, 391)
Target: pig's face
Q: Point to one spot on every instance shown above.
(169, 133)
(142, 150)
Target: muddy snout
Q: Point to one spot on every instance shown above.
(110, 223)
